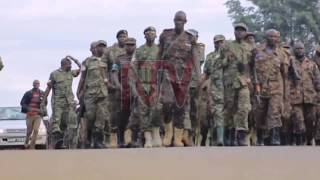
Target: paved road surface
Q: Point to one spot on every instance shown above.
(247, 163)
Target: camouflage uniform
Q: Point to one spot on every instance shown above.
(269, 68)
(236, 91)
(64, 118)
(146, 53)
(110, 57)
(1, 64)
(317, 133)
(95, 98)
(213, 67)
(178, 50)
(303, 95)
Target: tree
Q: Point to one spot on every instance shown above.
(297, 20)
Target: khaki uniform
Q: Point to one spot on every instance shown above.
(303, 96)
(64, 118)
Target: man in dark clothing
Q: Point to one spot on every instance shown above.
(31, 105)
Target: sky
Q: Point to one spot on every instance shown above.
(36, 34)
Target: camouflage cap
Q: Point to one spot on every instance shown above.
(193, 32)
(101, 42)
(150, 28)
(250, 34)
(122, 31)
(240, 25)
(218, 37)
(130, 41)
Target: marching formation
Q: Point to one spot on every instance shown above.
(249, 94)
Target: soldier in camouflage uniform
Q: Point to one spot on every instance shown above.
(269, 65)
(1, 64)
(93, 89)
(194, 92)
(178, 48)
(110, 57)
(251, 39)
(213, 70)
(64, 118)
(149, 115)
(303, 95)
(316, 59)
(236, 55)
(117, 78)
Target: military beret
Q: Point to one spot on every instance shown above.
(130, 41)
(193, 32)
(218, 38)
(250, 34)
(150, 28)
(122, 31)
(101, 42)
(240, 25)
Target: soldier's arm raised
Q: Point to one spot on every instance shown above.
(75, 72)
(80, 89)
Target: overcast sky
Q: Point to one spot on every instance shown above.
(36, 34)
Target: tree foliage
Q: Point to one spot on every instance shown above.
(297, 20)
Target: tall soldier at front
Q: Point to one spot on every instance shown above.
(178, 49)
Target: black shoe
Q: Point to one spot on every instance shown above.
(317, 142)
(260, 139)
(98, 140)
(299, 139)
(233, 137)
(275, 137)
(241, 138)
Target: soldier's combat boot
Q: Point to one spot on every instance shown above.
(233, 137)
(113, 140)
(136, 140)
(317, 142)
(241, 138)
(156, 139)
(260, 139)
(220, 136)
(127, 137)
(98, 140)
(275, 136)
(148, 139)
(186, 138)
(298, 139)
(178, 133)
(227, 137)
(168, 134)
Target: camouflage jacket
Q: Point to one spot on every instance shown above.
(94, 85)
(269, 67)
(61, 83)
(214, 69)
(305, 90)
(110, 55)
(234, 53)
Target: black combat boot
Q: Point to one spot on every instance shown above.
(98, 140)
(227, 137)
(233, 137)
(317, 142)
(299, 139)
(241, 138)
(260, 139)
(275, 136)
(136, 139)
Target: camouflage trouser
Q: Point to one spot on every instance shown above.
(97, 114)
(303, 118)
(64, 120)
(216, 108)
(267, 114)
(144, 117)
(193, 107)
(114, 100)
(236, 108)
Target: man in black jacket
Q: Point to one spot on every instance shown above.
(31, 105)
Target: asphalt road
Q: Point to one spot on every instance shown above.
(232, 163)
